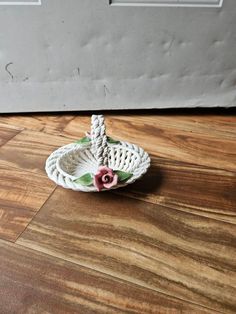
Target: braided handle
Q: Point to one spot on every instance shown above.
(99, 145)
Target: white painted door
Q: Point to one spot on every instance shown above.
(169, 3)
(111, 54)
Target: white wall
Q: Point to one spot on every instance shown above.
(85, 54)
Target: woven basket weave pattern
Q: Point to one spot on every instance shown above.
(71, 161)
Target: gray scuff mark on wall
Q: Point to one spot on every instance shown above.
(106, 90)
(8, 71)
(170, 44)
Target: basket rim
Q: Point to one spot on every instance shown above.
(84, 148)
(66, 182)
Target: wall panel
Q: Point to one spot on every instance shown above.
(87, 54)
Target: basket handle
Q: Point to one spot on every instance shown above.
(99, 145)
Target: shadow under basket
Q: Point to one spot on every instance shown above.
(97, 162)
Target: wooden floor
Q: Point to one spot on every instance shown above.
(166, 244)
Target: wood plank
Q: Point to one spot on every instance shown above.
(21, 196)
(48, 123)
(206, 125)
(187, 187)
(7, 132)
(192, 258)
(29, 150)
(209, 144)
(31, 282)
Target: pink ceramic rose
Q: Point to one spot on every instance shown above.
(105, 178)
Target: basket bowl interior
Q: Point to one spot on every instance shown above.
(79, 161)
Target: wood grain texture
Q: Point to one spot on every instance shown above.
(29, 150)
(192, 258)
(195, 189)
(7, 132)
(32, 282)
(47, 123)
(166, 244)
(208, 144)
(208, 126)
(21, 196)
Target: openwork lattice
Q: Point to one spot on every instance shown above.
(97, 162)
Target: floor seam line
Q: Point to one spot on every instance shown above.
(117, 278)
(20, 131)
(36, 213)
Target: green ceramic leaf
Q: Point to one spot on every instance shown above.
(86, 140)
(123, 176)
(83, 140)
(86, 179)
(112, 141)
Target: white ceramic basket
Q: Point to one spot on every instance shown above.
(97, 162)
